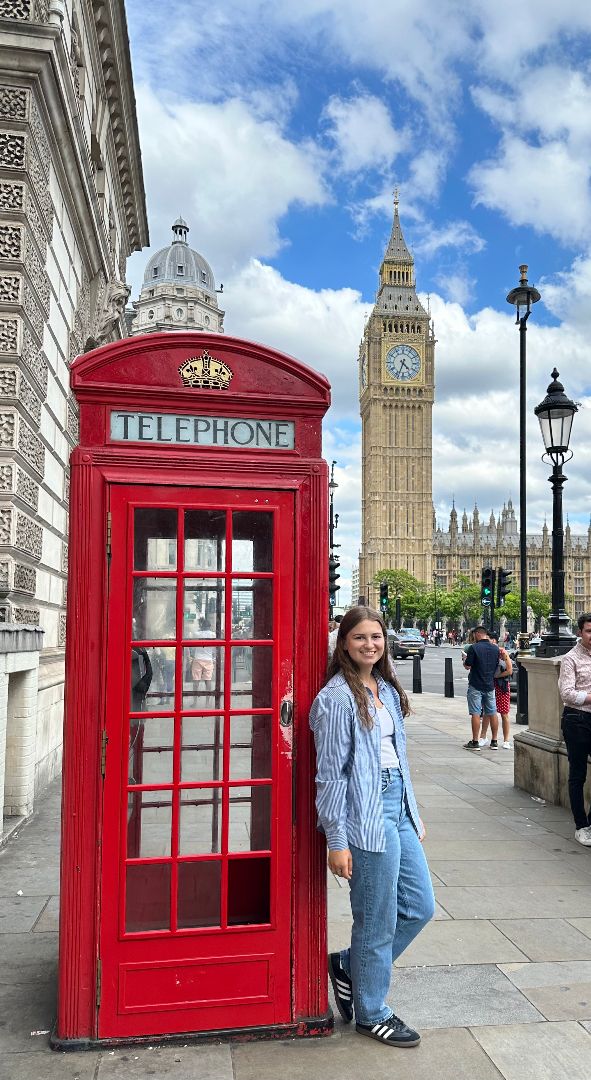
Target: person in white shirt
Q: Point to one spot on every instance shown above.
(574, 684)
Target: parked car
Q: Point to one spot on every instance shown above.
(405, 642)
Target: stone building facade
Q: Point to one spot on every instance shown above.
(178, 291)
(72, 209)
(396, 393)
(466, 547)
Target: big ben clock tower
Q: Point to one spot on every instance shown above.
(396, 390)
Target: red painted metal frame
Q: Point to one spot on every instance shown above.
(142, 373)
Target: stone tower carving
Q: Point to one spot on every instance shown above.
(396, 391)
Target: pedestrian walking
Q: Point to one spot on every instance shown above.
(368, 811)
(574, 684)
(482, 660)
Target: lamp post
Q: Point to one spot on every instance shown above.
(556, 413)
(522, 298)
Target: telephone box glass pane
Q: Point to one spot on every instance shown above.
(203, 677)
(249, 883)
(202, 748)
(200, 893)
(252, 677)
(250, 747)
(152, 678)
(205, 539)
(250, 819)
(154, 539)
(252, 608)
(150, 750)
(147, 897)
(203, 608)
(149, 816)
(201, 821)
(154, 609)
(252, 543)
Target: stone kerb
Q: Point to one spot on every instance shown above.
(541, 763)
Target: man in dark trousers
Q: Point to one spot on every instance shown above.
(482, 659)
(575, 690)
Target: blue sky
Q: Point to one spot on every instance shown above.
(279, 131)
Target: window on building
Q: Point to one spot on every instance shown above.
(179, 313)
(155, 272)
(578, 565)
(532, 564)
(509, 563)
(441, 562)
(579, 586)
(180, 270)
(441, 579)
(533, 582)
(204, 276)
(150, 292)
(150, 314)
(464, 563)
(179, 290)
(579, 608)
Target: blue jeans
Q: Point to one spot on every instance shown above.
(391, 901)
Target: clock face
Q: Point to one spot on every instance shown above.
(403, 362)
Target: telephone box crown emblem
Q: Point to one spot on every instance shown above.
(206, 372)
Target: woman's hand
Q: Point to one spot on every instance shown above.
(340, 863)
(423, 831)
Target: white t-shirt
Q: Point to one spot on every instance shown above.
(389, 757)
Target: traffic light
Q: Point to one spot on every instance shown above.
(503, 585)
(333, 577)
(383, 595)
(487, 586)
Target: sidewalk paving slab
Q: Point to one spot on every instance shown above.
(547, 939)
(538, 1052)
(451, 1054)
(458, 996)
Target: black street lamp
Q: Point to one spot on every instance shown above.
(556, 413)
(333, 560)
(522, 298)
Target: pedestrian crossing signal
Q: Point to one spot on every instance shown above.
(487, 586)
(384, 595)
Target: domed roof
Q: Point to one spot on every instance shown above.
(179, 263)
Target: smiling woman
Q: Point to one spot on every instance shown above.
(367, 809)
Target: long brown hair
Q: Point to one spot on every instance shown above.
(340, 661)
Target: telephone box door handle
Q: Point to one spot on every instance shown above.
(286, 717)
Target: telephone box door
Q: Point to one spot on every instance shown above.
(195, 911)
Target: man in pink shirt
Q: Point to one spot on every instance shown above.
(574, 684)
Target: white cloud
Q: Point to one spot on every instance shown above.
(322, 329)
(362, 132)
(231, 173)
(459, 235)
(544, 187)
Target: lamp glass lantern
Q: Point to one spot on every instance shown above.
(556, 413)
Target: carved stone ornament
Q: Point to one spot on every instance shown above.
(8, 430)
(12, 196)
(27, 488)
(5, 524)
(10, 288)
(72, 422)
(35, 360)
(24, 578)
(27, 616)
(61, 635)
(64, 557)
(37, 273)
(9, 335)
(116, 299)
(11, 241)
(14, 103)
(13, 149)
(7, 477)
(206, 371)
(25, 10)
(4, 580)
(29, 536)
(31, 447)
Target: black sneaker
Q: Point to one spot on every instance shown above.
(494, 744)
(472, 744)
(392, 1032)
(342, 986)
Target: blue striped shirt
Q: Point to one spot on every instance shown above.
(348, 767)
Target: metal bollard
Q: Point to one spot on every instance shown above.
(449, 677)
(417, 680)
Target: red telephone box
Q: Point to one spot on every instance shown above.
(193, 877)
